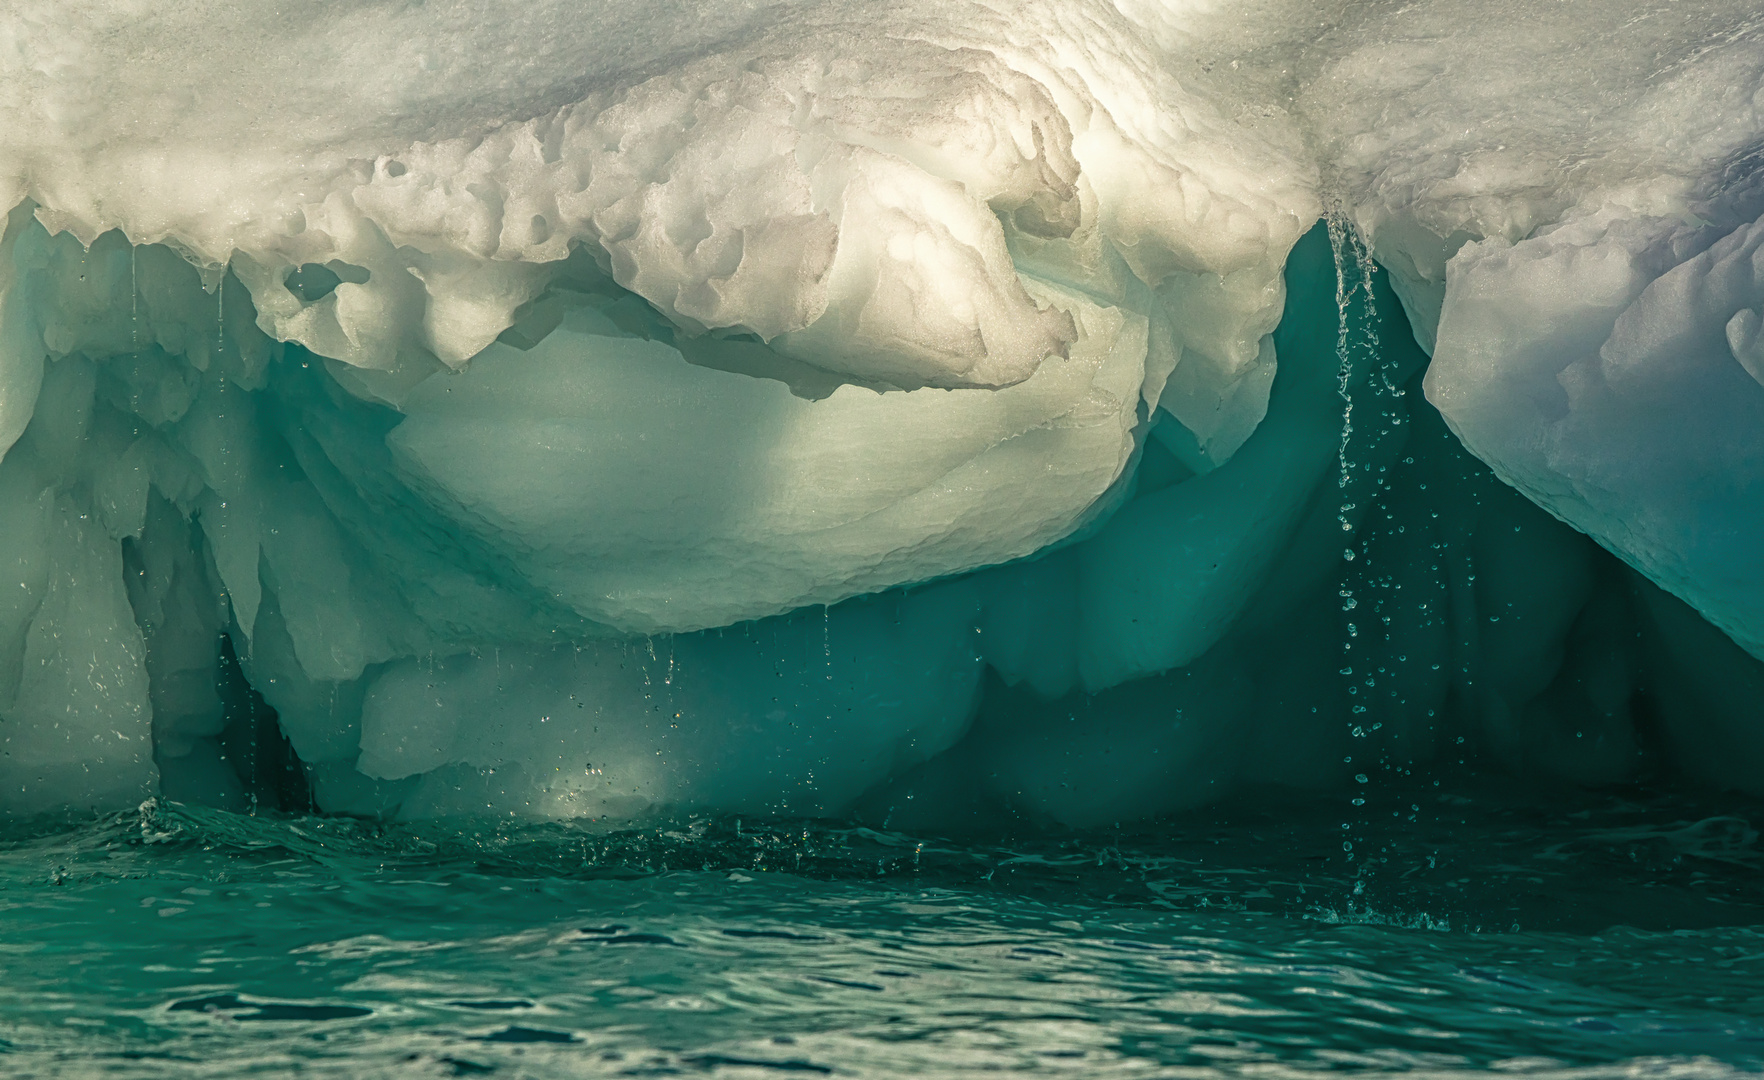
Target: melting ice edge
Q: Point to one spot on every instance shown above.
(1073, 409)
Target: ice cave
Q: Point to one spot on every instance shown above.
(1068, 410)
(928, 539)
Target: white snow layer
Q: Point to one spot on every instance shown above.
(467, 364)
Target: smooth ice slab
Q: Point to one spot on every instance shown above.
(652, 494)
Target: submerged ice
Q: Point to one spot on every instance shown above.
(1071, 409)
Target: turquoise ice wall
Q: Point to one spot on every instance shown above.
(241, 577)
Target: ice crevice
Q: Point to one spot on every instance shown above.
(1065, 409)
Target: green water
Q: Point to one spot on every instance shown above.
(1595, 935)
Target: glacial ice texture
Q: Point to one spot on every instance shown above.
(1064, 408)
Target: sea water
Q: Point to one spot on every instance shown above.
(1483, 931)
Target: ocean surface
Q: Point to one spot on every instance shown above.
(1488, 930)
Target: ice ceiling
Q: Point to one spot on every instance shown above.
(599, 408)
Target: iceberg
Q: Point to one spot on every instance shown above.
(1069, 409)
